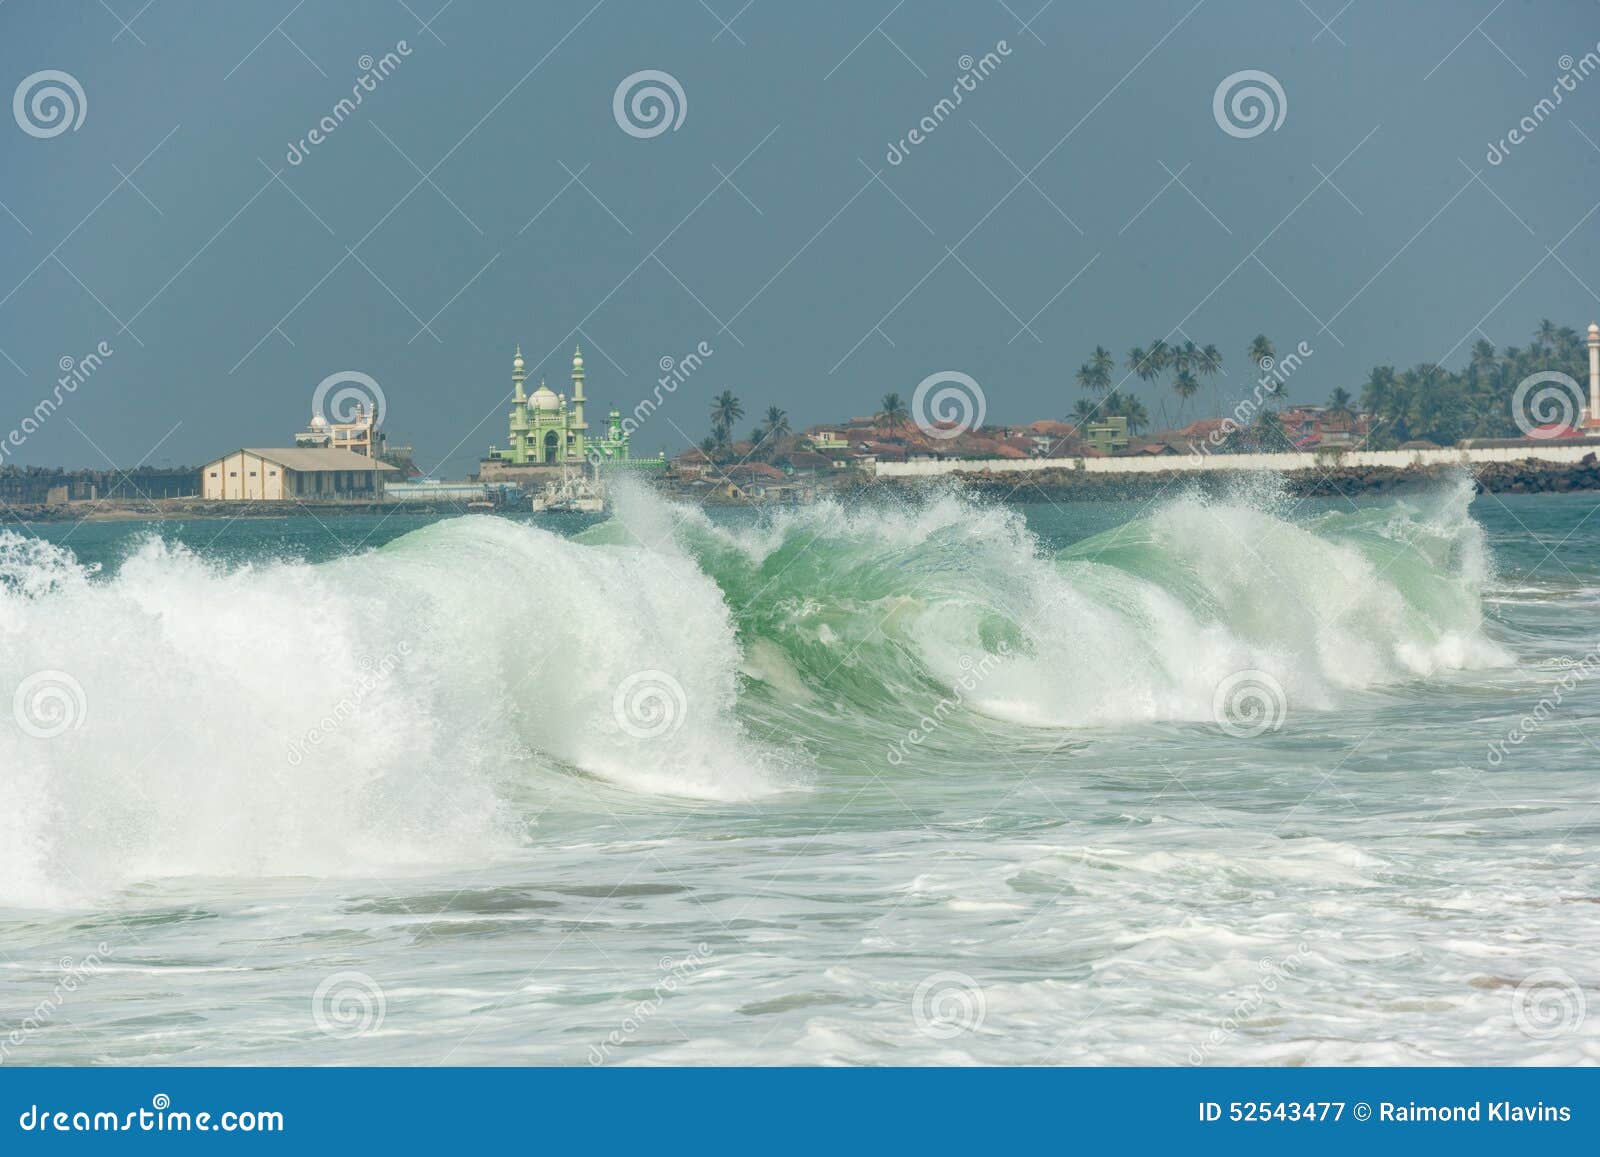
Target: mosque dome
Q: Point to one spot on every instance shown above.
(544, 398)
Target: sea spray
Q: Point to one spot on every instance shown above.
(199, 677)
(777, 643)
(879, 610)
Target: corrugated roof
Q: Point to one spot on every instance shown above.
(314, 460)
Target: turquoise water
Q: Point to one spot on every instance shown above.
(1180, 781)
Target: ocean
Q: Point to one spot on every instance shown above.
(1186, 780)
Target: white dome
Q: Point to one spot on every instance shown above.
(318, 421)
(544, 399)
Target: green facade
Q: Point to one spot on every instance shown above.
(546, 429)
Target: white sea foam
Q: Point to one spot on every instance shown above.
(286, 718)
(1142, 623)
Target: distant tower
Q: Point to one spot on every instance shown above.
(577, 390)
(519, 409)
(1593, 419)
(579, 426)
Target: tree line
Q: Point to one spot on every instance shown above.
(1424, 403)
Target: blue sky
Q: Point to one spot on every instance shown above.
(484, 194)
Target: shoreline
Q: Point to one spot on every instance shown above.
(1529, 476)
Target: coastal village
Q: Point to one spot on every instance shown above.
(552, 458)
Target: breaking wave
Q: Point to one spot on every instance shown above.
(182, 716)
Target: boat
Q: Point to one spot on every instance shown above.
(573, 494)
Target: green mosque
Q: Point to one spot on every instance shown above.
(548, 430)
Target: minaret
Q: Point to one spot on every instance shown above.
(519, 410)
(1593, 419)
(578, 424)
(577, 390)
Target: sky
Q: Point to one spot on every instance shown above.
(487, 191)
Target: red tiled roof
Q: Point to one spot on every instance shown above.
(754, 470)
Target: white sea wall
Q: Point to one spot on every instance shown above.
(1566, 451)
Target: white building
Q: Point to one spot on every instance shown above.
(287, 475)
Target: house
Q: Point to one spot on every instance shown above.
(287, 475)
(827, 440)
(691, 463)
(1108, 435)
(808, 462)
(1204, 429)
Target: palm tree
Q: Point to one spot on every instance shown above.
(777, 422)
(1095, 374)
(893, 412)
(1261, 348)
(1483, 359)
(1185, 386)
(1186, 357)
(708, 445)
(1547, 334)
(1138, 363)
(1339, 402)
(1084, 411)
(1383, 396)
(1103, 363)
(1269, 435)
(726, 410)
(1129, 408)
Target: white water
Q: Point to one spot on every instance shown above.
(375, 712)
(364, 714)
(480, 836)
